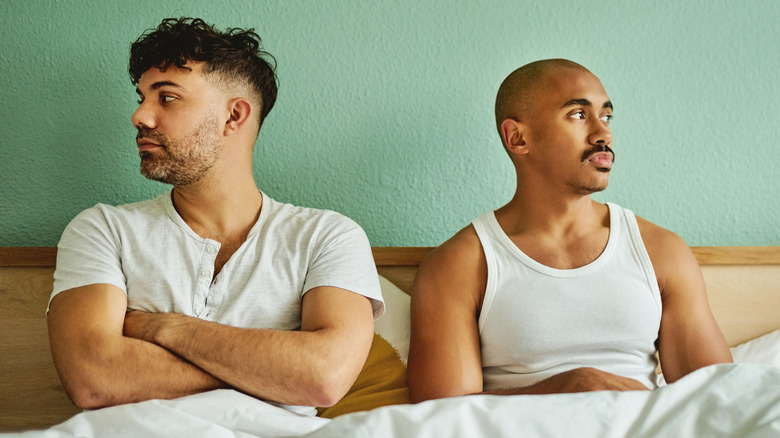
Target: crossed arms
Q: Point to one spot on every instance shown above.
(445, 357)
(106, 355)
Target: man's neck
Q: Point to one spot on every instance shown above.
(220, 211)
(553, 217)
(555, 231)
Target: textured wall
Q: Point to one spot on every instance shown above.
(385, 108)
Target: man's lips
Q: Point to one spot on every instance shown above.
(145, 144)
(602, 159)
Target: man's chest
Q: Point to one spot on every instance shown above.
(247, 289)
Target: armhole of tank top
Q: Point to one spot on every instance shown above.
(481, 225)
(644, 258)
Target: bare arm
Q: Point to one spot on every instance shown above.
(100, 367)
(689, 337)
(444, 352)
(315, 366)
(577, 380)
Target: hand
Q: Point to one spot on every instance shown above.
(592, 379)
(143, 325)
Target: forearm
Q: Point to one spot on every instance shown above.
(99, 366)
(116, 370)
(690, 347)
(689, 337)
(576, 380)
(313, 368)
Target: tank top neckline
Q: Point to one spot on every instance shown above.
(612, 241)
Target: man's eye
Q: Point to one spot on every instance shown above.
(167, 99)
(578, 115)
(607, 118)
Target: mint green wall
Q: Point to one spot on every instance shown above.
(385, 108)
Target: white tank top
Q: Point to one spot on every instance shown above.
(538, 321)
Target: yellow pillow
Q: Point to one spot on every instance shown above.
(382, 381)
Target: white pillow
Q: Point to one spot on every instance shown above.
(394, 325)
(762, 350)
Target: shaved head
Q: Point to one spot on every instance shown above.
(519, 90)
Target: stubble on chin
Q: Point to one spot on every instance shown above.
(590, 188)
(176, 171)
(593, 185)
(184, 161)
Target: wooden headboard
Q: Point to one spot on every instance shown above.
(743, 284)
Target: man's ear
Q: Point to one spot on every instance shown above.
(514, 136)
(239, 115)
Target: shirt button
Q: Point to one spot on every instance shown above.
(205, 273)
(211, 250)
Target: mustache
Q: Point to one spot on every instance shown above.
(151, 135)
(597, 149)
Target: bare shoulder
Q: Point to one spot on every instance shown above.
(659, 239)
(456, 267)
(669, 254)
(461, 249)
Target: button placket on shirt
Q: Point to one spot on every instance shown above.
(204, 278)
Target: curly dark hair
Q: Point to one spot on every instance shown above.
(236, 53)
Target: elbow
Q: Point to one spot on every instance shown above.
(417, 395)
(332, 383)
(332, 373)
(86, 386)
(87, 396)
(427, 385)
(326, 399)
(88, 401)
(327, 392)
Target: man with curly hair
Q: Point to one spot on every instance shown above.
(212, 284)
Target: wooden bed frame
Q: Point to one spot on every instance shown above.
(743, 284)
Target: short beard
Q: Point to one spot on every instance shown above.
(182, 161)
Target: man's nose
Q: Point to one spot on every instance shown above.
(144, 117)
(601, 134)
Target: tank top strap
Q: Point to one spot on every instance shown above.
(485, 226)
(628, 218)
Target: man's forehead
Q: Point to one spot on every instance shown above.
(575, 87)
(174, 76)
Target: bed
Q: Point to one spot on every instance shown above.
(741, 399)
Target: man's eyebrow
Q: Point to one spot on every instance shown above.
(585, 102)
(159, 84)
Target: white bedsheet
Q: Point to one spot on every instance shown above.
(717, 401)
(721, 400)
(221, 413)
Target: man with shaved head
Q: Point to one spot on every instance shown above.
(555, 292)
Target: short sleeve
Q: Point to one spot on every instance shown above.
(88, 253)
(343, 259)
